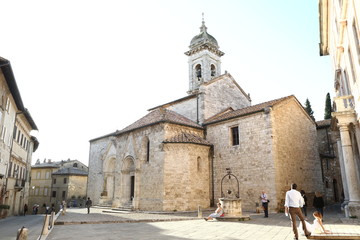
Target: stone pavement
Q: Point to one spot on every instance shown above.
(76, 224)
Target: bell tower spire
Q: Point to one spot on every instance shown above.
(204, 59)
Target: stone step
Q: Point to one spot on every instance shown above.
(233, 218)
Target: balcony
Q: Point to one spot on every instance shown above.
(344, 109)
(344, 104)
(19, 184)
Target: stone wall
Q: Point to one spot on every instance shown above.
(251, 161)
(77, 186)
(95, 177)
(186, 177)
(220, 94)
(187, 108)
(295, 150)
(129, 151)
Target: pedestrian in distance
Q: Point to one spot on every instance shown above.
(25, 209)
(293, 204)
(265, 203)
(304, 208)
(318, 203)
(88, 205)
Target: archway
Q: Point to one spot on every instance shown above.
(128, 180)
(107, 194)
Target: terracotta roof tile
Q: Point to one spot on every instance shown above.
(70, 171)
(160, 115)
(188, 138)
(323, 123)
(243, 111)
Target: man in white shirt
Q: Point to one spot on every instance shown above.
(265, 203)
(293, 204)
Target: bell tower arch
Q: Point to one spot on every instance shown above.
(204, 59)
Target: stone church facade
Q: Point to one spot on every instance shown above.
(175, 158)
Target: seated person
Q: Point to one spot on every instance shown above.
(317, 226)
(218, 212)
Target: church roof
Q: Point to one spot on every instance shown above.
(70, 171)
(188, 138)
(174, 102)
(203, 41)
(203, 37)
(158, 116)
(323, 123)
(223, 116)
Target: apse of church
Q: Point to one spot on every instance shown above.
(173, 159)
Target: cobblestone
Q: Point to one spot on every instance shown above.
(77, 224)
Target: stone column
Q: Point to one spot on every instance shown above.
(350, 171)
(343, 175)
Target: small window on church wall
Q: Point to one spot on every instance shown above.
(213, 70)
(235, 136)
(198, 71)
(148, 151)
(198, 162)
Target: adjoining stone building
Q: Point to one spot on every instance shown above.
(16, 144)
(52, 182)
(175, 157)
(340, 39)
(330, 164)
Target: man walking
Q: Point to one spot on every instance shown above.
(293, 204)
(88, 204)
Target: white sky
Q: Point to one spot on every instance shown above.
(87, 68)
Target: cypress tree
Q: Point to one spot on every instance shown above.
(327, 114)
(309, 109)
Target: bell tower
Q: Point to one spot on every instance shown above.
(204, 59)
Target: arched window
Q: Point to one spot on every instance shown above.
(213, 70)
(198, 71)
(198, 162)
(75, 165)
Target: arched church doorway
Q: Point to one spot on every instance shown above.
(107, 194)
(132, 187)
(128, 179)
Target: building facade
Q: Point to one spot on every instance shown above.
(16, 143)
(330, 164)
(175, 158)
(339, 38)
(54, 182)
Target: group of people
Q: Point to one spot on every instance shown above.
(295, 206)
(48, 210)
(294, 203)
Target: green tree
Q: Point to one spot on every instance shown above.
(327, 114)
(309, 109)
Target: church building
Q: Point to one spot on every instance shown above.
(175, 158)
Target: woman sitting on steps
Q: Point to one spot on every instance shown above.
(218, 212)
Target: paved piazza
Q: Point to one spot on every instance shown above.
(122, 225)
